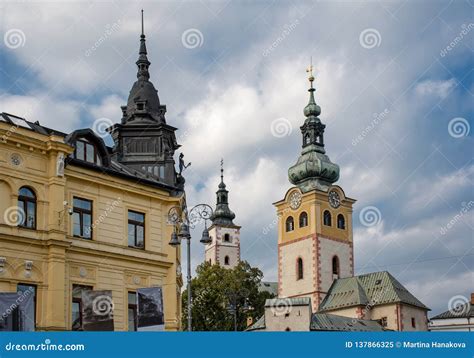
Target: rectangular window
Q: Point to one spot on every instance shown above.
(76, 307)
(132, 311)
(82, 218)
(26, 289)
(136, 229)
(383, 321)
(80, 150)
(413, 323)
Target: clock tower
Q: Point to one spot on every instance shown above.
(314, 219)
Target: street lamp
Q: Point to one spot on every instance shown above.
(182, 220)
(233, 307)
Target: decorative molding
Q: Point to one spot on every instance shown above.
(3, 261)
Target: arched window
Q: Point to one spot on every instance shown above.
(26, 208)
(226, 260)
(227, 238)
(287, 329)
(290, 224)
(327, 218)
(341, 222)
(299, 268)
(335, 267)
(307, 139)
(303, 219)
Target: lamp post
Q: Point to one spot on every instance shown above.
(182, 220)
(233, 307)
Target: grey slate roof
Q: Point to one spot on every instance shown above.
(270, 287)
(463, 311)
(111, 167)
(376, 288)
(291, 302)
(331, 322)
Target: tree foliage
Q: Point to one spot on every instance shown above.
(217, 291)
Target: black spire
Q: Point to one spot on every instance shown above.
(222, 215)
(142, 61)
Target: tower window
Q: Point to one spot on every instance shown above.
(290, 224)
(341, 222)
(299, 268)
(307, 139)
(26, 208)
(226, 261)
(327, 218)
(335, 267)
(303, 219)
(227, 238)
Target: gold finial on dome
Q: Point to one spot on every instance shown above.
(310, 71)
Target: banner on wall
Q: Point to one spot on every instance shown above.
(17, 311)
(150, 309)
(97, 310)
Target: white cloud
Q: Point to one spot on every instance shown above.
(60, 115)
(440, 89)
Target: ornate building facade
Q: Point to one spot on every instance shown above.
(224, 249)
(78, 215)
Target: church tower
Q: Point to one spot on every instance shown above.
(144, 142)
(224, 248)
(314, 218)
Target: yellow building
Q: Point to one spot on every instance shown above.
(79, 215)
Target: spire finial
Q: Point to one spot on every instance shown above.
(222, 170)
(310, 71)
(143, 30)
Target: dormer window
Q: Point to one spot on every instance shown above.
(87, 152)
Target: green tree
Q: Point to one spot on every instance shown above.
(217, 291)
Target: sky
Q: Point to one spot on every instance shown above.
(394, 81)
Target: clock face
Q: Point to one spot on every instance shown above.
(295, 200)
(334, 199)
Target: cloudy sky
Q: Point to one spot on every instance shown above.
(394, 81)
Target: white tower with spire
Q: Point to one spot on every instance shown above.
(224, 248)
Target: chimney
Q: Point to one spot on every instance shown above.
(250, 320)
(472, 298)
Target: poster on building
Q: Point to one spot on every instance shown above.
(97, 310)
(17, 311)
(150, 309)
